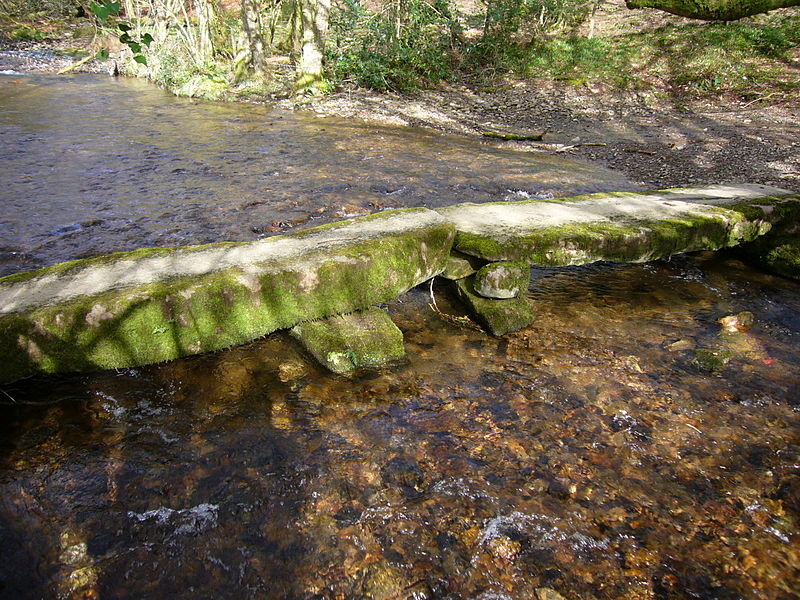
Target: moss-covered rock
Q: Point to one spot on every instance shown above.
(711, 359)
(502, 279)
(623, 227)
(779, 254)
(460, 265)
(497, 316)
(155, 305)
(344, 343)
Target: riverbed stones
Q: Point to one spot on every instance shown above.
(502, 279)
(344, 343)
(711, 360)
(622, 226)
(154, 305)
(498, 317)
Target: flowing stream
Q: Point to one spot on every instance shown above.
(589, 456)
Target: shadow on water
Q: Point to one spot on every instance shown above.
(588, 454)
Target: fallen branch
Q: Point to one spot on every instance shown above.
(650, 152)
(458, 321)
(515, 137)
(75, 65)
(573, 146)
(759, 99)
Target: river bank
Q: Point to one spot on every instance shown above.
(656, 141)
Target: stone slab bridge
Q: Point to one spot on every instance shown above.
(323, 284)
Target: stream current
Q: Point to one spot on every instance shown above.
(589, 456)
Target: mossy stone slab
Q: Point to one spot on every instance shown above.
(154, 305)
(461, 265)
(505, 279)
(347, 342)
(623, 226)
(499, 317)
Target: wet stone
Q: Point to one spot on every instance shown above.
(405, 473)
(344, 343)
(742, 321)
(502, 280)
(711, 359)
(544, 593)
(497, 316)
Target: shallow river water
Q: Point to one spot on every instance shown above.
(589, 456)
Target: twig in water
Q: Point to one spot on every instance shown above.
(10, 397)
(75, 65)
(458, 321)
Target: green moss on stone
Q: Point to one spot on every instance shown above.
(711, 359)
(187, 315)
(461, 265)
(346, 342)
(778, 253)
(497, 316)
(579, 243)
(502, 280)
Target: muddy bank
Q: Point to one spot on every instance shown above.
(654, 139)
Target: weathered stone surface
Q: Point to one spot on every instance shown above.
(347, 342)
(624, 226)
(502, 279)
(461, 265)
(158, 304)
(497, 316)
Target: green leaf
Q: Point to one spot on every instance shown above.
(135, 48)
(124, 27)
(100, 11)
(102, 55)
(140, 59)
(124, 38)
(113, 7)
(147, 39)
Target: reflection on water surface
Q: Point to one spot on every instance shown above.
(587, 454)
(94, 165)
(586, 457)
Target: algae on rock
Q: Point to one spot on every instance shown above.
(499, 317)
(343, 343)
(621, 226)
(505, 279)
(144, 307)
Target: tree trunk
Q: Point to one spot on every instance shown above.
(251, 19)
(314, 14)
(205, 24)
(713, 10)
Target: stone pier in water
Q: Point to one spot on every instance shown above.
(158, 304)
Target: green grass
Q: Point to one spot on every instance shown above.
(750, 58)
